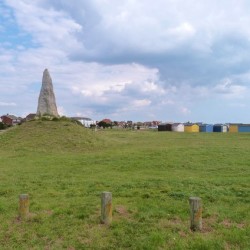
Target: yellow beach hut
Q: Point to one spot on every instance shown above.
(233, 128)
(191, 127)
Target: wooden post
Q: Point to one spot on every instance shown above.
(24, 204)
(106, 208)
(195, 213)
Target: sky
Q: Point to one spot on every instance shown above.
(165, 60)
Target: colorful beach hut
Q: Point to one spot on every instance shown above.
(191, 127)
(244, 128)
(206, 128)
(165, 127)
(178, 127)
(233, 128)
(220, 128)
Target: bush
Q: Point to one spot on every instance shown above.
(46, 118)
(104, 124)
(2, 126)
(57, 119)
(64, 118)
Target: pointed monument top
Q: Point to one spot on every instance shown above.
(47, 100)
(46, 78)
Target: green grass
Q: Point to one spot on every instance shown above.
(64, 168)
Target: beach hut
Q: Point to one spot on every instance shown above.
(191, 127)
(233, 128)
(244, 128)
(220, 128)
(165, 127)
(206, 128)
(178, 127)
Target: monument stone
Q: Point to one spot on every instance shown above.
(47, 100)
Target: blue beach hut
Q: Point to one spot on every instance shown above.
(220, 128)
(244, 128)
(206, 128)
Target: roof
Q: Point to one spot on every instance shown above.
(206, 125)
(81, 118)
(12, 117)
(31, 116)
(107, 120)
(177, 124)
(220, 124)
(190, 124)
(243, 125)
(166, 123)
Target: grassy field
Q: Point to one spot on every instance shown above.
(64, 168)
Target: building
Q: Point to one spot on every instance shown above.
(238, 127)
(233, 127)
(178, 127)
(206, 128)
(165, 127)
(86, 122)
(191, 127)
(11, 120)
(108, 121)
(244, 128)
(30, 117)
(220, 128)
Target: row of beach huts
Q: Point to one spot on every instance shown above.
(200, 127)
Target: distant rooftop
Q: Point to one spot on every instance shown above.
(81, 118)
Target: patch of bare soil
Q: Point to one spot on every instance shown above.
(228, 224)
(121, 212)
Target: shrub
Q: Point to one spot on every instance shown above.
(2, 126)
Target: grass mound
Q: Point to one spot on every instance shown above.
(49, 136)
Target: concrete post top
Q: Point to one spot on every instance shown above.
(23, 196)
(194, 198)
(106, 192)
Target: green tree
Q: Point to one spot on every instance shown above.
(103, 124)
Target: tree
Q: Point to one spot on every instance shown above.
(103, 124)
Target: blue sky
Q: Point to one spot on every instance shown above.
(128, 60)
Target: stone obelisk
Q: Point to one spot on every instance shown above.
(47, 100)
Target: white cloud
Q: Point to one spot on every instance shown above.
(185, 110)
(230, 90)
(141, 103)
(118, 57)
(49, 28)
(114, 78)
(152, 87)
(183, 31)
(7, 104)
